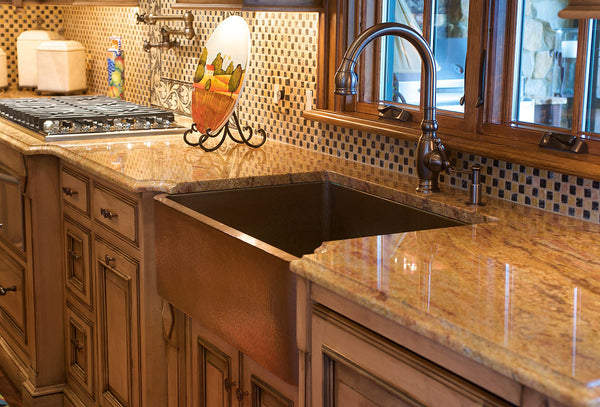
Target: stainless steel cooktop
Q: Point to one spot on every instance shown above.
(63, 118)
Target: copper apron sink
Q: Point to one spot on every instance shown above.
(223, 257)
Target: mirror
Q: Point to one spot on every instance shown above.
(220, 75)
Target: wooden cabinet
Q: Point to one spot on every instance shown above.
(116, 354)
(258, 5)
(118, 331)
(216, 374)
(355, 357)
(354, 366)
(31, 334)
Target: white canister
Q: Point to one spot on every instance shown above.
(3, 73)
(27, 44)
(61, 66)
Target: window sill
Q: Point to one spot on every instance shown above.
(516, 152)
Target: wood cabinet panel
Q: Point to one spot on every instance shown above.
(258, 5)
(12, 295)
(118, 327)
(117, 212)
(351, 364)
(80, 352)
(213, 371)
(77, 261)
(75, 190)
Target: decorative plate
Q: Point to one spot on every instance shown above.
(220, 74)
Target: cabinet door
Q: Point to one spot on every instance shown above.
(215, 370)
(353, 366)
(118, 326)
(12, 297)
(80, 352)
(278, 5)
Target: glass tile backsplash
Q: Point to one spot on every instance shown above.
(284, 52)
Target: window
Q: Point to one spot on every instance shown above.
(508, 70)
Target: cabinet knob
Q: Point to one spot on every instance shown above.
(108, 259)
(76, 345)
(68, 191)
(107, 214)
(229, 385)
(3, 290)
(240, 394)
(74, 255)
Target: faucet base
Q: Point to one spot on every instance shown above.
(428, 186)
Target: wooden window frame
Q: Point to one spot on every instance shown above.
(486, 130)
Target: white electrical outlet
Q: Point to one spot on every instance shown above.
(308, 100)
(276, 94)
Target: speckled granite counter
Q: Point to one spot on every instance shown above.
(520, 294)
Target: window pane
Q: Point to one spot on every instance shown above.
(450, 49)
(402, 64)
(592, 115)
(545, 74)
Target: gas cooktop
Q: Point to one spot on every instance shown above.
(63, 118)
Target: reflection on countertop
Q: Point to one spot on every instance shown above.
(519, 294)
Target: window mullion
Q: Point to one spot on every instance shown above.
(476, 39)
(579, 91)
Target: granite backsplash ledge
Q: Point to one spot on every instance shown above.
(284, 51)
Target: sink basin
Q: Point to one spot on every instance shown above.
(223, 257)
(298, 218)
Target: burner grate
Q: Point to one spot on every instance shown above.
(70, 117)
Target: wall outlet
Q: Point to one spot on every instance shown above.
(308, 100)
(281, 86)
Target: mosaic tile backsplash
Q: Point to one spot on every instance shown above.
(284, 52)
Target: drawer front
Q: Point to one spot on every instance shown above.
(80, 351)
(117, 212)
(78, 278)
(12, 295)
(75, 190)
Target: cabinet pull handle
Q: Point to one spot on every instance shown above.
(76, 345)
(69, 191)
(108, 259)
(107, 213)
(240, 394)
(3, 290)
(229, 385)
(74, 255)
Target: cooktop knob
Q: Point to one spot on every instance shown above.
(48, 125)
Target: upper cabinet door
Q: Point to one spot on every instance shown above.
(262, 5)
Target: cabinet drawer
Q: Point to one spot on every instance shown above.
(12, 296)
(77, 246)
(80, 351)
(75, 190)
(116, 212)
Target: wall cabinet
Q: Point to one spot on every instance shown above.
(258, 5)
(113, 329)
(214, 373)
(128, 3)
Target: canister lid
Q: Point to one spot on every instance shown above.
(38, 35)
(60, 45)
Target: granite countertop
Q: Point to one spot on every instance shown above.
(518, 291)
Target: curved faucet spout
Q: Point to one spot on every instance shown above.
(346, 79)
(431, 158)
